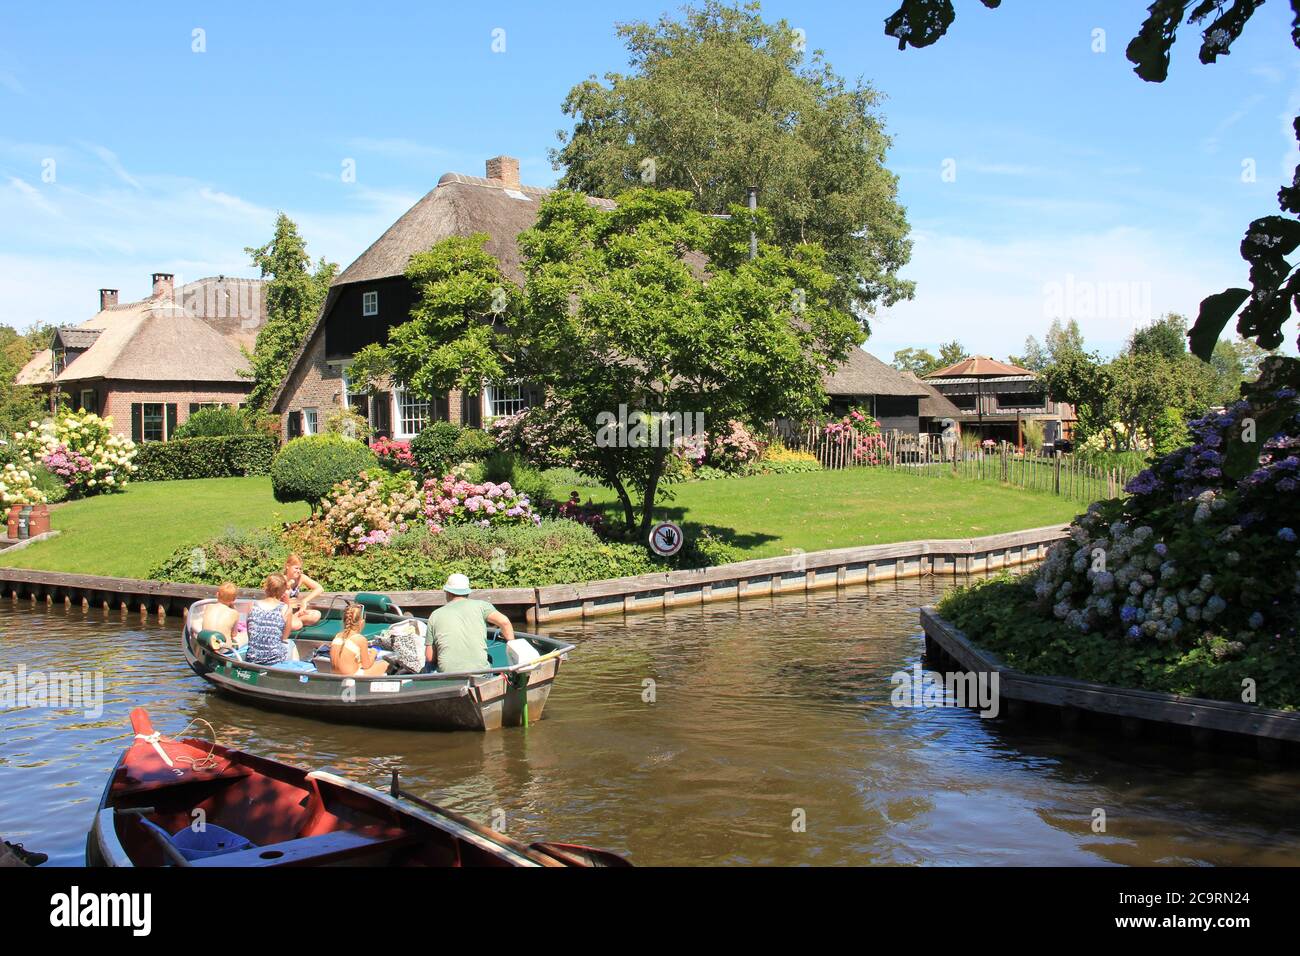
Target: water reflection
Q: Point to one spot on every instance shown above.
(763, 713)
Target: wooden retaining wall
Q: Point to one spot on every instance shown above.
(761, 577)
(1076, 704)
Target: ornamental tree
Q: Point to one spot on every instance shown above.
(655, 309)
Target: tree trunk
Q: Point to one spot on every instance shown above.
(651, 488)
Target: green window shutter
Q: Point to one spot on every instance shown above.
(171, 420)
(194, 407)
(137, 422)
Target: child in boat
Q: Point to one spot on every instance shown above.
(350, 653)
(222, 616)
(299, 603)
(269, 625)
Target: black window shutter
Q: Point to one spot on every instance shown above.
(137, 422)
(171, 420)
(194, 407)
(442, 408)
(295, 424)
(471, 409)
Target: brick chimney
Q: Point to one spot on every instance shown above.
(107, 299)
(505, 170)
(162, 285)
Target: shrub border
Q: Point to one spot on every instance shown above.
(1271, 731)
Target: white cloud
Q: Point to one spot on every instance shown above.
(110, 160)
(991, 294)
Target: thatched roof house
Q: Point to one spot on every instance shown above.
(372, 295)
(149, 364)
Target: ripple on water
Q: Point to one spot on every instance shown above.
(762, 714)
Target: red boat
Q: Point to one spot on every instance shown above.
(196, 803)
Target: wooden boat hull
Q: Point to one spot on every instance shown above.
(504, 697)
(271, 814)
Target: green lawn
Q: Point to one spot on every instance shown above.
(769, 515)
(126, 534)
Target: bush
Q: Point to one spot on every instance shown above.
(451, 501)
(434, 448)
(474, 444)
(80, 449)
(554, 552)
(395, 456)
(48, 484)
(214, 423)
(369, 510)
(1189, 585)
(226, 456)
(507, 468)
(307, 468)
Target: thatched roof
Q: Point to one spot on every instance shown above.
(458, 206)
(39, 369)
(979, 366)
(864, 374)
(935, 404)
(156, 341)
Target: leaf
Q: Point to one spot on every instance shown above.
(1216, 311)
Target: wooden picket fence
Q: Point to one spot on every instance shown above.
(928, 456)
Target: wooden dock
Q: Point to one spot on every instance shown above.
(1076, 704)
(762, 577)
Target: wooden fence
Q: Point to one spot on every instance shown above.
(928, 455)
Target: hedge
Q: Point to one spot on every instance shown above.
(228, 456)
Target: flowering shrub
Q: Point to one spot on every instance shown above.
(81, 449)
(452, 500)
(575, 510)
(18, 487)
(1191, 584)
(733, 448)
(1114, 437)
(393, 455)
(545, 435)
(367, 510)
(860, 433)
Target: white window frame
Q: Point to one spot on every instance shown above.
(311, 421)
(402, 401)
(493, 403)
(370, 303)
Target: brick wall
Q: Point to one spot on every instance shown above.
(116, 398)
(317, 384)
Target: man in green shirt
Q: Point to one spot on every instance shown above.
(458, 629)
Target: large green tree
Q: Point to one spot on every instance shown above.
(294, 296)
(657, 308)
(721, 100)
(920, 362)
(1274, 291)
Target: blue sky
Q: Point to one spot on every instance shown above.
(1075, 182)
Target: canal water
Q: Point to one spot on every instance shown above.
(759, 733)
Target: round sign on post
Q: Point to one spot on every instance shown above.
(666, 539)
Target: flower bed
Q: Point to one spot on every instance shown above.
(1190, 585)
(80, 449)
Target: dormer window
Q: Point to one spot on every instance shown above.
(370, 303)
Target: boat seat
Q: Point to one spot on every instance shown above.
(376, 603)
(321, 849)
(203, 844)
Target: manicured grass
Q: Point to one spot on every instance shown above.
(768, 515)
(124, 535)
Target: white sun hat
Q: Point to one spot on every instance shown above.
(457, 584)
